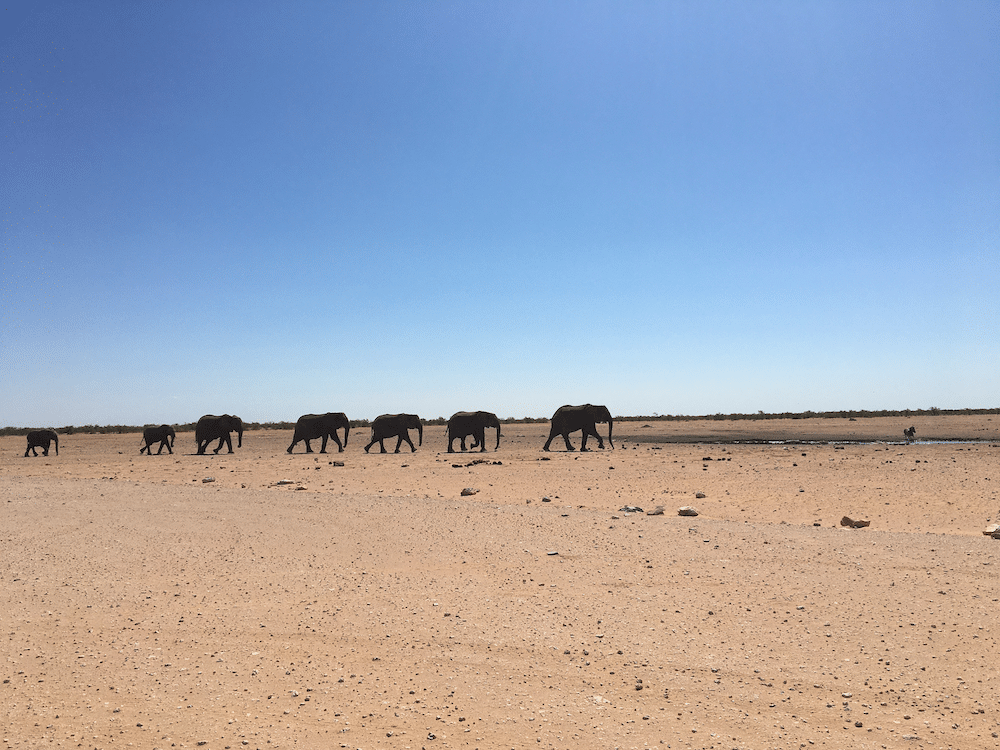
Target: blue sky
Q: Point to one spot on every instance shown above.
(270, 208)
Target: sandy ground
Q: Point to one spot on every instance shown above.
(370, 605)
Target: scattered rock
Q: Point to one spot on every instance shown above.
(553, 552)
(206, 480)
(546, 499)
(851, 523)
(336, 463)
(699, 495)
(687, 510)
(992, 529)
(657, 511)
(284, 481)
(469, 491)
(630, 509)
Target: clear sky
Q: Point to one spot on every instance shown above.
(269, 209)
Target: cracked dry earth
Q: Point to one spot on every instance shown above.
(370, 605)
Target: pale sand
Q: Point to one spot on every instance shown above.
(143, 607)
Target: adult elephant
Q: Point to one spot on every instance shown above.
(41, 439)
(474, 423)
(211, 427)
(569, 419)
(315, 426)
(164, 435)
(396, 425)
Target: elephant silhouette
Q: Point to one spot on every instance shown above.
(211, 427)
(164, 435)
(315, 426)
(569, 419)
(41, 439)
(395, 425)
(474, 423)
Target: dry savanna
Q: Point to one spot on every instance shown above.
(352, 600)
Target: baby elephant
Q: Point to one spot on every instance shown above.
(164, 434)
(41, 439)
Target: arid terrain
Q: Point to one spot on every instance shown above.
(294, 602)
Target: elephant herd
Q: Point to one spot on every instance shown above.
(463, 424)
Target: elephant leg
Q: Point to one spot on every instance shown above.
(462, 443)
(322, 448)
(569, 445)
(169, 449)
(399, 441)
(406, 436)
(308, 446)
(336, 439)
(451, 444)
(481, 437)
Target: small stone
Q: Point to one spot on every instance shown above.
(657, 511)
(553, 552)
(546, 499)
(847, 695)
(858, 724)
(630, 509)
(337, 463)
(281, 481)
(699, 495)
(687, 510)
(853, 524)
(469, 491)
(206, 480)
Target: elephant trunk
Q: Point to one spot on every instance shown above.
(239, 431)
(611, 425)
(420, 433)
(497, 425)
(347, 431)
(56, 438)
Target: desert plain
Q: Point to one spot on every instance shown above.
(352, 600)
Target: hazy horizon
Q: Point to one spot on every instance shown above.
(379, 207)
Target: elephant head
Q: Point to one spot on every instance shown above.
(237, 426)
(415, 424)
(601, 414)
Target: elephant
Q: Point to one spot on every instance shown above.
(314, 426)
(41, 439)
(463, 423)
(211, 427)
(164, 434)
(392, 425)
(569, 419)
